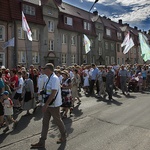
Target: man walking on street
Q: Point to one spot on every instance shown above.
(53, 101)
(123, 73)
(109, 82)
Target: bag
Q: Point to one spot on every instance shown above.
(46, 98)
(64, 93)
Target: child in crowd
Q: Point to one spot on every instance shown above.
(8, 110)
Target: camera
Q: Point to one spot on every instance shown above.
(43, 92)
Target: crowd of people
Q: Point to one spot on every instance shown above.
(59, 87)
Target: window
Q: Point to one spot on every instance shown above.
(107, 60)
(87, 26)
(64, 38)
(50, 26)
(122, 60)
(73, 39)
(100, 51)
(118, 61)
(106, 45)
(112, 60)
(112, 46)
(51, 45)
(99, 37)
(63, 58)
(35, 57)
(92, 43)
(21, 33)
(35, 34)
(73, 59)
(108, 32)
(21, 56)
(2, 33)
(30, 10)
(2, 59)
(68, 21)
(93, 59)
(119, 35)
(50, 12)
(118, 47)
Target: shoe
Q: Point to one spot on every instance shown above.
(34, 110)
(64, 116)
(38, 145)
(61, 140)
(15, 124)
(71, 110)
(5, 130)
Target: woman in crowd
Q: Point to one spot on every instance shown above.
(66, 93)
(28, 94)
(75, 84)
(35, 81)
(86, 83)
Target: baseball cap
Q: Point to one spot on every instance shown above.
(5, 93)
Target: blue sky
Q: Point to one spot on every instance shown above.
(133, 12)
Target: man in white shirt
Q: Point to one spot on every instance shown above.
(18, 94)
(51, 106)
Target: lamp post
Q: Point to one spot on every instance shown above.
(93, 5)
(90, 29)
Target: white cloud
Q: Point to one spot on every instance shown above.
(123, 2)
(138, 14)
(133, 2)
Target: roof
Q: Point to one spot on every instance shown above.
(78, 16)
(9, 12)
(5, 11)
(75, 11)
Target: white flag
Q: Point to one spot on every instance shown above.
(128, 46)
(87, 44)
(126, 39)
(25, 27)
(8, 43)
(128, 43)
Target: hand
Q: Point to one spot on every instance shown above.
(44, 108)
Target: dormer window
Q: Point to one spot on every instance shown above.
(87, 26)
(30, 10)
(108, 32)
(68, 21)
(119, 35)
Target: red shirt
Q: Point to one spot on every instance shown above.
(14, 79)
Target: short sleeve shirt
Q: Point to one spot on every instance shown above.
(54, 84)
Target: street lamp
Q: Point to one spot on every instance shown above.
(93, 5)
(93, 20)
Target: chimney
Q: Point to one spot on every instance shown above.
(120, 21)
(136, 28)
(126, 24)
(95, 13)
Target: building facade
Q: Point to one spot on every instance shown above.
(57, 31)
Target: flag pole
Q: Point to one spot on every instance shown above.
(15, 44)
(26, 49)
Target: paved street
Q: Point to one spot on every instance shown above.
(95, 125)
